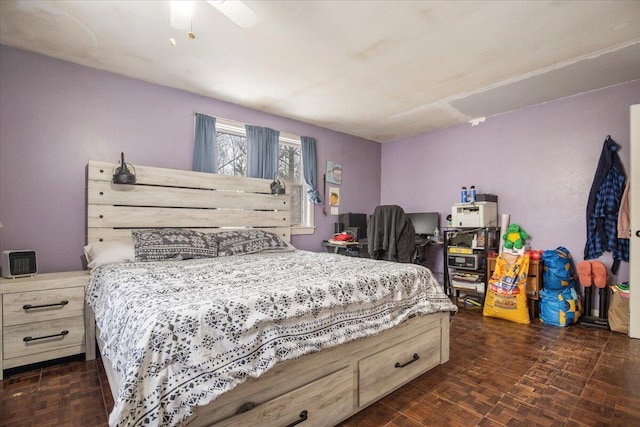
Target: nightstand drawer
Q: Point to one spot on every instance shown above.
(37, 306)
(38, 337)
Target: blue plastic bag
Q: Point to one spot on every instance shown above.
(560, 308)
(559, 271)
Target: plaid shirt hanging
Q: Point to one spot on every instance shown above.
(603, 207)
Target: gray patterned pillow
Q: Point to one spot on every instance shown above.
(247, 241)
(172, 243)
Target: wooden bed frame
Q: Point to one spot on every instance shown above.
(320, 389)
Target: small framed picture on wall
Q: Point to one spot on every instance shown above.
(334, 173)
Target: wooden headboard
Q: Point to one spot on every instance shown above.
(183, 199)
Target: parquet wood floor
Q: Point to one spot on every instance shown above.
(500, 374)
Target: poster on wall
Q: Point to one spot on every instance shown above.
(334, 173)
(334, 199)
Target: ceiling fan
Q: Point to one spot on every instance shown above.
(237, 12)
(181, 13)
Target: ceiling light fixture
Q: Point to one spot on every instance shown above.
(237, 12)
(477, 121)
(180, 14)
(181, 18)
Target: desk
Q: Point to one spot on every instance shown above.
(419, 256)
(346, 248)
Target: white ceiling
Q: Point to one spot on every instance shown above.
(381, 70)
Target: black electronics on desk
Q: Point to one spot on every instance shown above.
(354, 220)
(425, 223)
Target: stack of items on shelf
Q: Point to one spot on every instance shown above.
(467, 281)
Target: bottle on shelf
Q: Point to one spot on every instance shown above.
(436, 235)
(463, 195)
(472, 194)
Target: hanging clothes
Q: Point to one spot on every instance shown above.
(603, 207)
(624, 215)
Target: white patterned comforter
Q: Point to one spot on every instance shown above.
(180, 333)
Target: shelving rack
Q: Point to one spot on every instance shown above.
(466, 251)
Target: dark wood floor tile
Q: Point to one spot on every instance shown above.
(19, 383)
(601, 391)
(627, 409)
(468, 395)
(557, 404)
(516, 363)
(488, 422)
(70, 395)
(401, 399)
(574, 423)
(495, 378)
(18, 398)
(528, 390)
(403, 421)
(594, 413)
(620, 371)
(18, 411)
(432, 410)
(621, 345)
(375, 415)
(511, 411)
(579, 361)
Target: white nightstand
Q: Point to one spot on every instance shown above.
(42, 318)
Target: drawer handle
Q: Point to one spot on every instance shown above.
(415, 357)
(61, 334)
(303, 417)
(29, 306)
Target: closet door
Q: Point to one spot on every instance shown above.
(634, 260)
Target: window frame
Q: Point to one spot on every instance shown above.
(238, 128)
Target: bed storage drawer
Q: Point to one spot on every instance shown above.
(36, 306)
(41, 337)
(323, 402)
(388, 369)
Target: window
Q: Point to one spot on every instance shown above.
(232, 160)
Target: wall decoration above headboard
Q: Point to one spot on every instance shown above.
(177, 198)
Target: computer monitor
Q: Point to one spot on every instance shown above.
(425, 223)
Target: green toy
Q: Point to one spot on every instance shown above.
(514, 237)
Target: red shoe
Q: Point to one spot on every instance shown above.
(599, 274)
(584, 273)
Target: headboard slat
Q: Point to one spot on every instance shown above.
(103, 171)
(107, 193)
(143, 217)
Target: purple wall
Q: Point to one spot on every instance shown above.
(540, 161)
(55, 116)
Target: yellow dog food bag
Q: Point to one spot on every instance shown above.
(506, 294)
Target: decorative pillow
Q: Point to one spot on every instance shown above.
(173, 243)
(247, 241)
(100, 253)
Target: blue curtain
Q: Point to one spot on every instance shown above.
(310, 167)
(205, 147)
(262, 152)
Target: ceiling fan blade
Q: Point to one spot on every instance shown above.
(238, 12)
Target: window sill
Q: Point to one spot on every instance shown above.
(302, 230)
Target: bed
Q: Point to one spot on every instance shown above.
(271, 336)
